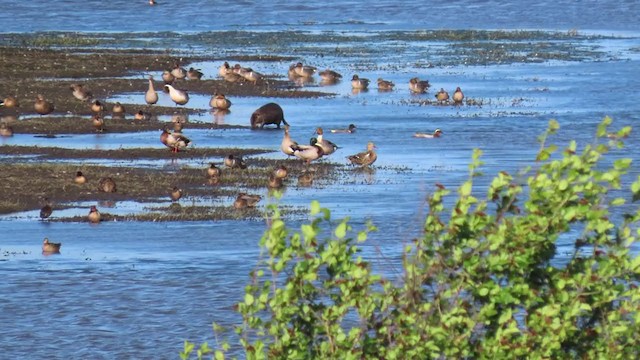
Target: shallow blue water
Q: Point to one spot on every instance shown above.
(131, 290)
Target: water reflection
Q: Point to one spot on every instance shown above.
(218, 115)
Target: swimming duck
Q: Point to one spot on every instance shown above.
(9, 102)
(5, 130)
(418, 86)
(435, 134)
(458, 96)
(309, 153)
(287, 145)
(152, 2)
(225, 69)
(327, 146)
(180, 97)
(178, 72)
(42, 106)
(168, 77)
(385, 84)
(359, 83)
(176, 193)
(244, 200)
(49, 247)
(274, 182)
(365, 158)
(46, 210)
(174, 141)
(80, 93)
(142, 116)
(219, 101)
(330, 76)
(94, 215)
(98, 122)
(117, 110)
(107, 184)
(80, 178)
(280, 172)
(304, 70)
(194, 74)
(234, 162)
(151, 96)
(213, 170)
(442, 96)
(349, 130)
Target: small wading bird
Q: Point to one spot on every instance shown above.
(442, 96)
(50, 247)
(80, 93)
(418, 86)
(151, 96)
(94, 215)
(350, 129)
(46, 210)
(174, 141)
(365, 158)
(385, 84)
(80, 178)
(435, 134)
(359, 83)
(42, 106)
(178, 96)
(458, 96)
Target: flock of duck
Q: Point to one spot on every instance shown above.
(267, 114)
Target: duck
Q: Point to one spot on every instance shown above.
(80, 93)
(151, 96)
(365, 158)
(5, 130)
(142, 116)
(178, 96)
(98, 122)
(458, 96)
(435, 134)
(178, 72)
(174, 141)
(219, 101)
(304, 70)
(80, 178)
(9, 102)
(42, 106)
(117, 110)
(168, 77)
(234, 162)
(224, 69)
(281, 172)
(176, 194)
(50, 247)
(418, 86)
(47, 209)
(233, 77)
(330, 76)
(359, 83)
(274, 182)
(308, 153)
(327, 146)
(287, 145)
(194, 74)
(442, 96)
(349, 130)
(244, 200)
(152, 2)
(213, 170)
(107, 184)
(97, 106)
(252, 75)
(94, 215)
(385, 84)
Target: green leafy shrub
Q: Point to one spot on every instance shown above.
(478, 284)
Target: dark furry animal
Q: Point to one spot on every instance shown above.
(270, 113)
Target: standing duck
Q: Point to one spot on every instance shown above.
(213, 170)
(142, 116)
(46, 210)
(309, 153)
(174, 141)
(80, 178)
(385, 85)
(176, 194)
(365, 158)
(348, 130)
(98, 122)
(359, 83)
(94, 215)
(225, 69)
(194, 74)
(49, 247)
(42, 106)
(97, 106)
(180, 97)
(327, 146)
(458, 96)
(287, 145)
(117, 110)
(5, 130)
(235, 162)
(435, 134)
(442, 96)
(219, 101)
(418, 86)
(168, 77)
(107, 185)
(151, 96)
(80, 93)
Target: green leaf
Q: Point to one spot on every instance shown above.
(219, 355)
(341, 230)
(465, 189)
(248, 299)
(315, 207)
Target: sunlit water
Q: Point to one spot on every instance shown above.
(136, 290)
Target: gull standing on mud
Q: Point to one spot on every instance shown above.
(151, 96)
(180, 97)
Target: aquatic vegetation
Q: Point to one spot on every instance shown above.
(479, 283)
